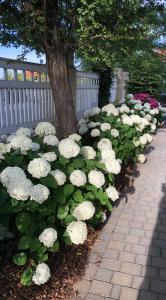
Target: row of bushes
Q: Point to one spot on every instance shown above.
(51, 189)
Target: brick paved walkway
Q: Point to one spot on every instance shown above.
(128, 261)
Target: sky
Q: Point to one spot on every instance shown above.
(13, 53)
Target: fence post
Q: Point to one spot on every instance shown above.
(72, 75)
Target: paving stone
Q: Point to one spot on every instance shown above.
(162, 274)
(158, 286)
(122, 279)
(122, 229)
(111, 264)
(151, 272)
(139, 249)
(143, 260)
(90, 271)
(94, 297)
(159, 262)
(145, 241)
(103, 275)
(137, 232)
(127, 256)
(100, 288)
(141, 283)
(115, 293)
(112, 253)
(118, 245)
(132, 239)
(116, 236)
(129, 294)
(100, 246)
(82, 287)
(148, 296)
(131, 268)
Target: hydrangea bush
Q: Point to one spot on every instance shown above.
(50, 190)
(128, 127)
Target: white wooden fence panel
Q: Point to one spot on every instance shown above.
(26, 97)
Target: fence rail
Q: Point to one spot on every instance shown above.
(26, 97)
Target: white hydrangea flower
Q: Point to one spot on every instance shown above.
(96, 178)
(130, 96)
(124, 109)
(146, 106)
(45, 128)
(112, 193)
(90, 113)
(3, 150)
(136, 142)
(141, 158)
(78, 178)
(68, 148)
(49, 156)
(10, 137)
(35, 146)
(88, 152)
(20, 189)
(59, 176)
(92, 124)
(51, 140)
(95, 132)
(143, 139)
(83, 129)
(103, 217)
(153, 127)
(113, 166)
(105, 126)
(138, 106)
(110, 109)
(84, 211)
(77, 231)
(11, 174)
(104, 144)
(107, 154)
(48, 237)
(24, 131)
(149, 137)
(154, 121)
(114, 132)
(127, 120)
(39, 193)
(134, 101)
(148, 117)
(136, 119)
(42, 274)
(132, 111)
(76, 137)
(39, 168)
(21, 142)
(82, 121)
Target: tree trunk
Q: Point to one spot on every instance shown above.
(58, 71)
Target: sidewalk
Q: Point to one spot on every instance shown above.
(128, 261)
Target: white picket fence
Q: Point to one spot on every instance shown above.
(26, 97)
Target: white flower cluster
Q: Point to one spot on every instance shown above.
(24, 131)
(78, 178)
(105, 126)
(95, 132)
(127, 120)
(39, 193)
(112, 193)
(141, 158)
(49, 156)
(110, 109)
(76, 137)
(90, 113)
(45, 128)
(77, 231)
(42, 274)
(124, 109)
(39, 168)
(114, 132)
(88, 152)
(21, 143)
(84, 211)
(59, 176)
(104, 144)
(48, 237)
(96, 178)
(3, 150)
(68, 148)
(51, 140)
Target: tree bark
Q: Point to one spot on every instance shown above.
(58, 71)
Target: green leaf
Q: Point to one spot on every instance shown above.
(68, 189)
(49, 181)
(66, 238)
(102, 196)
(34, 244)
(23, 220)
(16, 159)
(26, 278)
(78, 197)
(24, 242)
(62, 211)
(20, 259)
(42, 257)
(55, 247)
(125, 128)
(69, 219)
(63, 160)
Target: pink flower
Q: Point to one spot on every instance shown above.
(145, 97)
